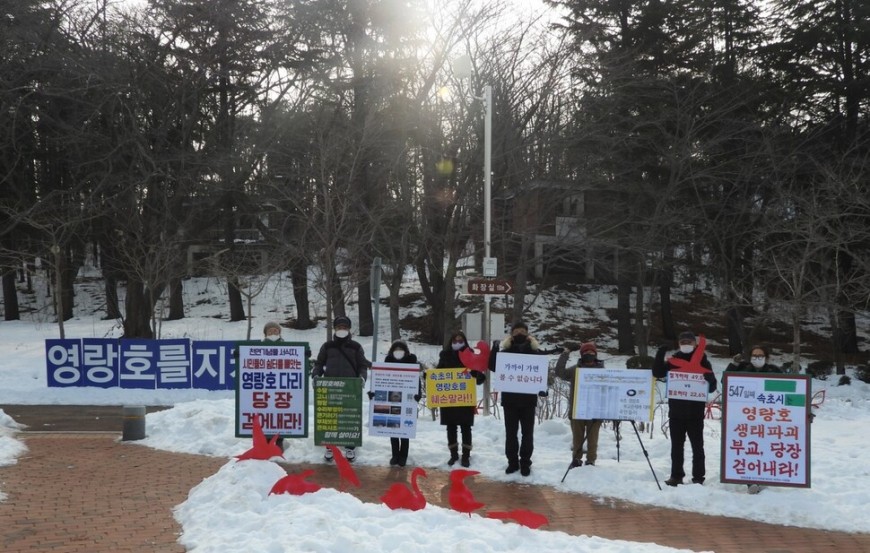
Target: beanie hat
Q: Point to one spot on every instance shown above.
(687, 335)
(519, 324)
(588, 347)
(341, 321)
(270, 324)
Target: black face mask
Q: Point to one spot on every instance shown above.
(519, 339)
(588, 360)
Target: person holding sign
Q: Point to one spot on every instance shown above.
(581, 430)
(686, 416)
(399, 353)
(519, 408)
(759, 357)
(458, 418)
(341, 357)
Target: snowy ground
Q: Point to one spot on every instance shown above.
(231, 511)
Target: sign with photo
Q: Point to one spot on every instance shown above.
(393, 410)
(522, 373)
(613, 394)
(271, 385)
(338, 411)
(765, 430)
(450, 388)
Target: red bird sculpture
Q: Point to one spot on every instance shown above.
(400, 496)
(529, 519)
(345, 470)
(295, 484)
(460, 497)
(263, 450)
(476, 361)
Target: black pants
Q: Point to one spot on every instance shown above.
(399, 447)
(523, 419)
(694, 428)
(466, 434)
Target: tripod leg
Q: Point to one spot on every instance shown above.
(618, 439)
(645, 454)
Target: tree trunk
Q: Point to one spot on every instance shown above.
(395, 287)
(667, 313)
(67, 283)
(640, 334)
(366, 321)
(10, 297)
(299, 278)
(176, 300)
(734, 324)
(137, 307)
(237, 307)
(113, 308)
(623, 322)
(848, 332)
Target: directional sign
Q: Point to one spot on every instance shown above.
(489, 286)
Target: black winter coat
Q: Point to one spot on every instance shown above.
(463, 416)
(683, 408)
(341, 357)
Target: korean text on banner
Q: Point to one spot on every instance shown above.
(450, 388)
(613, 394)
(688, 385)
(271, 385)
(765, 430)
(522, 373)
(338, 411)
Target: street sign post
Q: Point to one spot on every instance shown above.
(485, 286)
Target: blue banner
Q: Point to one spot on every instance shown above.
(141, 364)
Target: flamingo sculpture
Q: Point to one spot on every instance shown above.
(345, 470)
(399, 496)
(476, 361)
(460, 497)
(263, 450)
(295, 484)
(529, 519)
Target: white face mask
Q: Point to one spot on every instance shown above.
(687, 348)
(342, 333)
(398, 354)
(757, 362)
(273, 337)
(457, 346)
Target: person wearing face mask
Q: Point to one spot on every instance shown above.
(341, 357)
(458, 418)
(519, 409)
(399, 353)
(759, 357)
(685, 418)
(272, 333)
(581, 430)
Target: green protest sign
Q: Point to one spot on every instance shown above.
(338, 411)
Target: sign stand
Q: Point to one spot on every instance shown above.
(639, 440)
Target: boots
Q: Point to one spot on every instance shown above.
(394, 459)
(403, 452)
(466, 456)
(454, 454)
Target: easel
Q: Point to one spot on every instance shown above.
(639, 440)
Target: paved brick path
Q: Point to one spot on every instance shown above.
(93, 493)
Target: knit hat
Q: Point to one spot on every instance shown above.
(270, 324)
(519, 324)
(687, 335)
(588, 347)
(341, 321)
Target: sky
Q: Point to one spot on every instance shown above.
(233, 511)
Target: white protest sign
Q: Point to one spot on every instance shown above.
(765, 430)
(520, 373)
(393, 410)
(613, 394)
(687, 385)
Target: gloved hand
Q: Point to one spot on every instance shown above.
(371, 395)
(475, 373)
(543, 393)
(417, 397)
(363, 379)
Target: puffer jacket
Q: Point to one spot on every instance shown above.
(341, 357)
